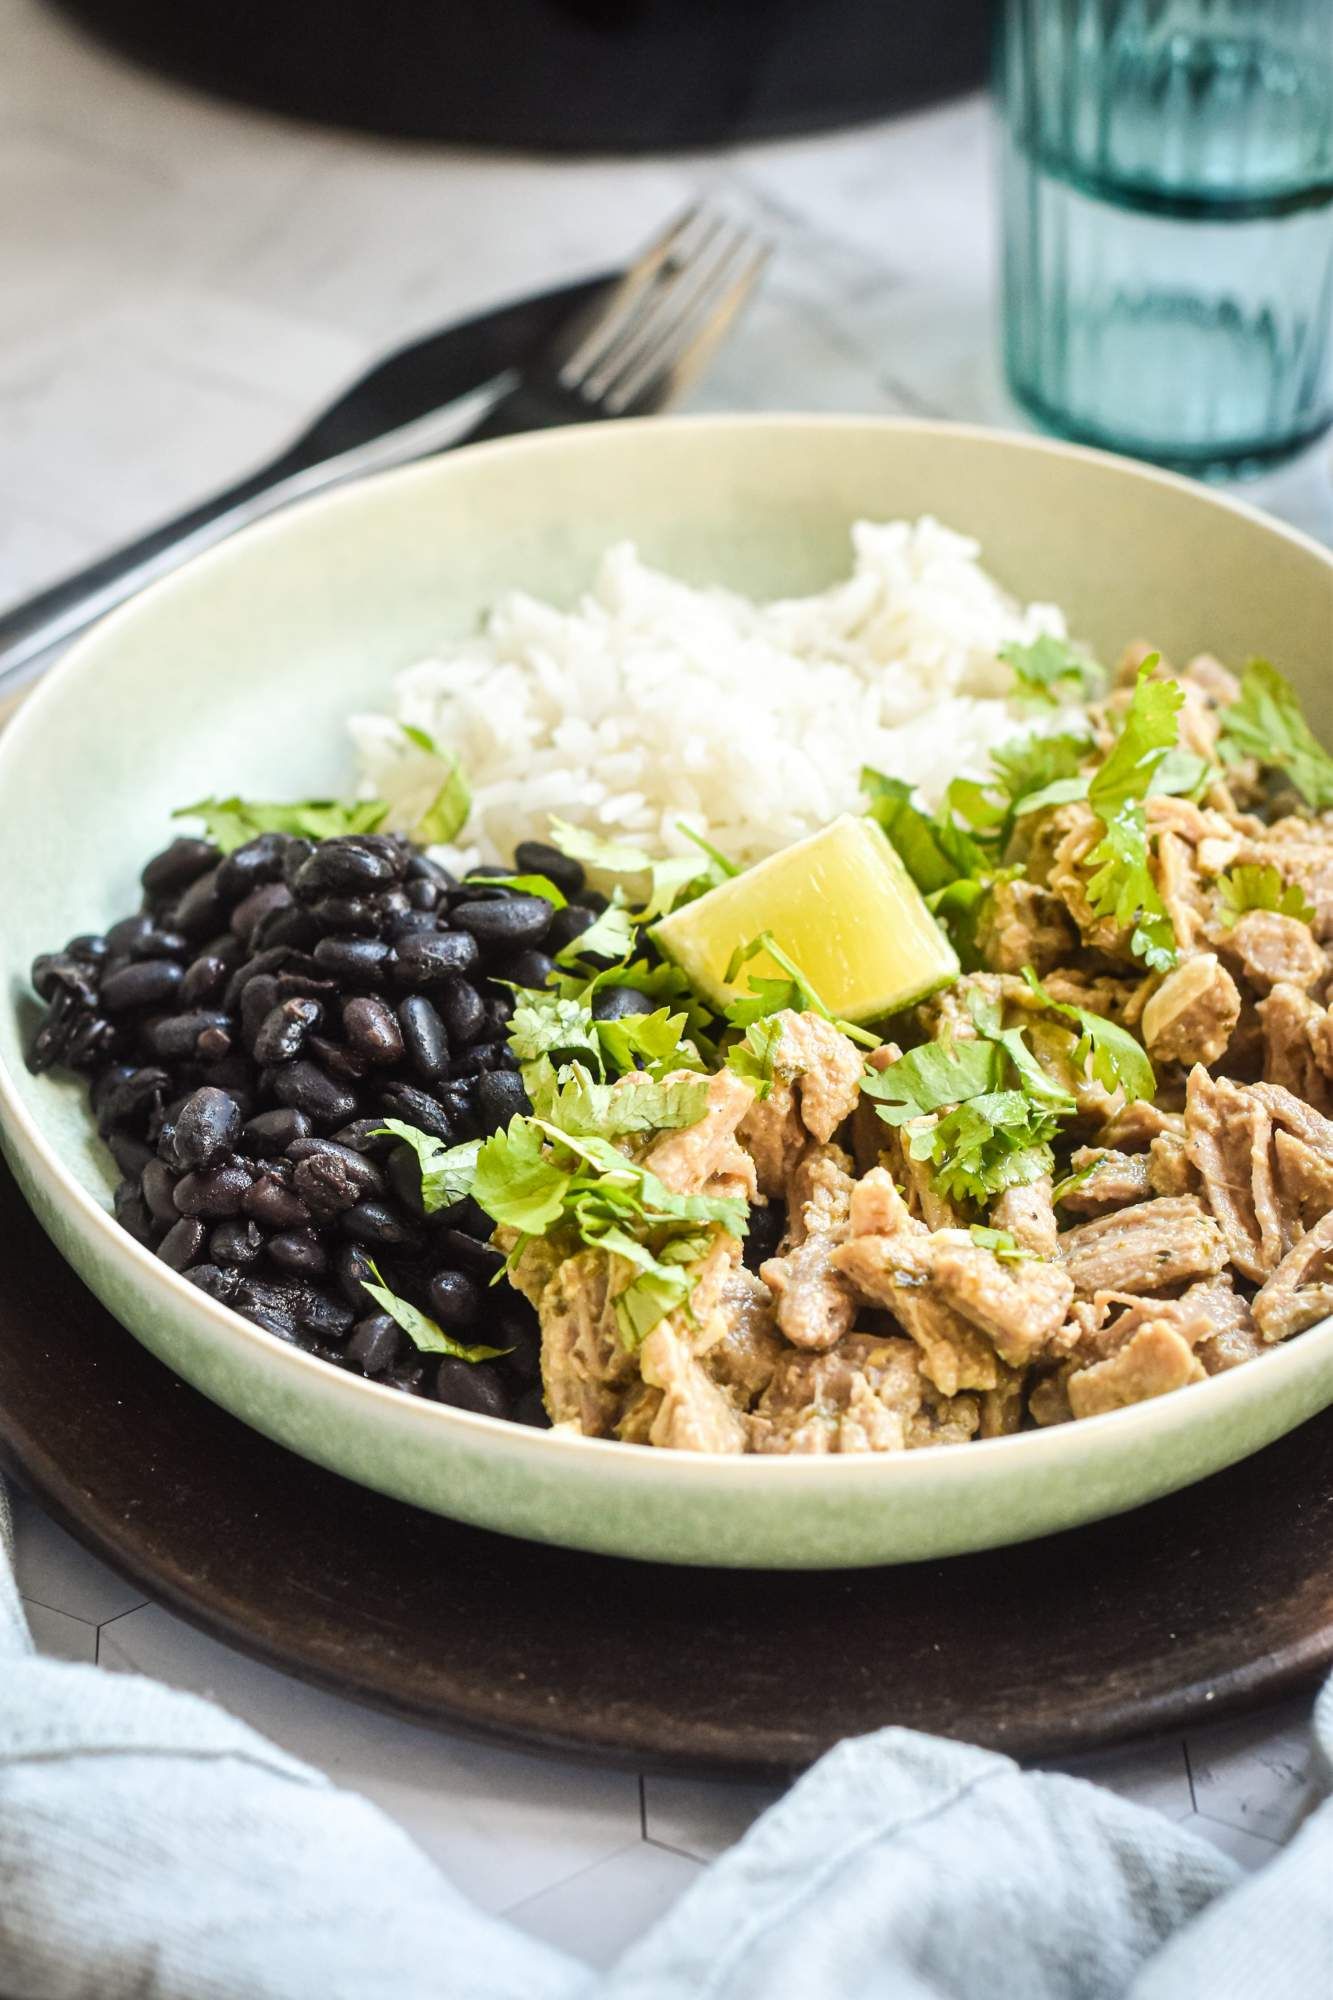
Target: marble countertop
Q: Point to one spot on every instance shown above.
(184, 283)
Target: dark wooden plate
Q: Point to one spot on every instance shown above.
(1202, 1603)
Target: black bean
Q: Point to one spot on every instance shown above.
(523, 1358)
(233, 1073)
(131, 1102)
(404, 1172)
(526, 968)
(246, 867)
(214, 1279)
(341, 915)
(455, 1299)
(217, 1193)
(421, 868)
(374, 1222)
(361, 960)
(767, 1227)
(127, 932)
(108, 1080)
(90, 947)
(349, 1065)
(416, 1107)
(204, 978)
(131, 1212)
(368, 1136)
(408, 1376)
(208, 1124)
(463, 1011)
(430, 956)
(175, 1037)
(272, 1132)
(410, 924)
(531, 1410)
(424, 1034)
(503, 923)
(91, 1041)
(326, 1187)
(60, 972)
(250, 912)
(616, 1003)
(271, 1305)
(295, 856)
(199, 912)
(499, 1013)
(157, 943)
(183, 1243)
(424, 895)
(306, 1088)
(235, 1242)
(370, 1027)
(273, 1205)
(299, 1252)
(294, 928)
(466, 1253)
(146, 983)
(320, 1313)
(342, 867)
(500, 1096)
(470, 1385)
(178, 865)
(157, 1184)
(352, 1268)
(51, 1040)
(374, 1343)
(261, 964)
(537, 857)
(130, 1155)
(213, 1045)
(484, 1056)
(283, 1030)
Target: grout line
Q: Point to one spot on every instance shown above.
(564, 1881)
(684, 1853)
(143, 1605)
(26, 1597)
(1252, 1831)
(1189, 1773)
(643, 1808)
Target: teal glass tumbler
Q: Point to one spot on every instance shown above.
(1167, 217)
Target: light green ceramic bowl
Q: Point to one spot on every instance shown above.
(237, 675)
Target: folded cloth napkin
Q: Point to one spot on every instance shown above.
(151, 1846)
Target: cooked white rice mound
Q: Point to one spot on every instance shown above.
(653, 702)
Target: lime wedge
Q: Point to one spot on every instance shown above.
(840, 904)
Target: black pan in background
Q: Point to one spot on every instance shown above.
(618, 75)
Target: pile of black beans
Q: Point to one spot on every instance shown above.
(245, 1035)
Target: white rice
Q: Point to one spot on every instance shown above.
(653, 702)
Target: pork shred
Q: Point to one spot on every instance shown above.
(1145, 1248)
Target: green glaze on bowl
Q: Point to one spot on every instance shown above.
(237, 674)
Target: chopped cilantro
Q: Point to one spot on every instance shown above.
(673, 880)
(1052, 670)
(1001, 1243)
(1118, 1061)
(996, 1141)
(420, 1329)
(1258, 886)
(936, 1074)
(446, 1171)
(1268, 722)
(1074, 1179)
(530, 885)
(751, 1058)
(229, 823)
(579, 1104)
(609, 935)
(933, 850)
(1120, 883)
(537, 1176)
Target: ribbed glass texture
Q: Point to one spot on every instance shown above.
(1168, 223)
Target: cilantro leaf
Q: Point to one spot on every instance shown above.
(581, 1105)
(1268, 723)
(1118, 1060)
(546, 1022)
(530, 885)
(446, 1171)
(751, 1058)
(996, 1141)
(1039, 771)
(420, 1329)
(446, 815)
(1036, 1084)
(933, 851)
(609, 935)
(229, 823)
(936, 1074)
(1258, 886)
(721, 869)
(653, 1039)
(1001, 1243)
(1051, 670)
(517, 1180)
(670, 881)
(1120, 882)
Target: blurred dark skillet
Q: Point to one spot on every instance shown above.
(625, 75)
(614, 346)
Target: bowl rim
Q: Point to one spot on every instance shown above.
(1140, 1422)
